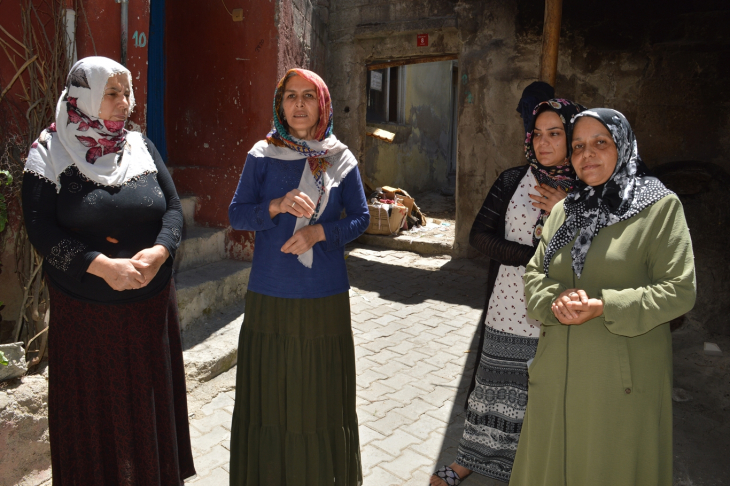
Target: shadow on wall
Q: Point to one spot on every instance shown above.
(420, 114)
(700, 185)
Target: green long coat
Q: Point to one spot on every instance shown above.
(600, 406)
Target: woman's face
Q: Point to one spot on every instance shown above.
(594, 151)
(115, 104)
(548, 139)
(301, 107)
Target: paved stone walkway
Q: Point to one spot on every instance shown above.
(414, 320)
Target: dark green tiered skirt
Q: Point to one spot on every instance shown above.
(294, 422)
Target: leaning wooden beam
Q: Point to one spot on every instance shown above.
(550, 41)
(412, 60)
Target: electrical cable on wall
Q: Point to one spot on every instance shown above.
(236, 15)
(224, 6)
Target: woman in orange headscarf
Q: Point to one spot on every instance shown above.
(294, 421)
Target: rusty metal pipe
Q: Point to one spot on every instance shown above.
(125, 30)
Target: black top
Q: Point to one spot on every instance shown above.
(487, 236)
(70, 228)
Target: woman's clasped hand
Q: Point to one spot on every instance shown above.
(297, 203)
(149, 260)
(574, 307)
(130, 273)
(304, 239)
(293, 202)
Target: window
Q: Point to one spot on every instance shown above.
(386, 95)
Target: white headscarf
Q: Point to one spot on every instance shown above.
(102, 150)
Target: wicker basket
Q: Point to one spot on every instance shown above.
(386, 219)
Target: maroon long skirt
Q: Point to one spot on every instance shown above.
(117, 408)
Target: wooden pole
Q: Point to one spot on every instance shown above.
(550, 41)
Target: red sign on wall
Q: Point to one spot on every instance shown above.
(422, 40)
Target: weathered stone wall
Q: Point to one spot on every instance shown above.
(665, 69)
(493, 69)
(302, 27)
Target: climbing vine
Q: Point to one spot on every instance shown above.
(41, 60)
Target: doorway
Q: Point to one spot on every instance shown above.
(416, 102)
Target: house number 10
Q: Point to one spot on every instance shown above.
(140, 40)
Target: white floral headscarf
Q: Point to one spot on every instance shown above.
(102, 150)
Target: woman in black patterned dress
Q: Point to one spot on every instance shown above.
(102, 209)
(507, 230)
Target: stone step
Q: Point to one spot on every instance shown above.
(210, 288)
(189, 203)
(211, 344)
(422, 246)
(200, 246)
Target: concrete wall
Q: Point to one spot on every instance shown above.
(665, 69)
(102, 36)
(482, 34)
(221, 77)
(302, 27)
(418, 160)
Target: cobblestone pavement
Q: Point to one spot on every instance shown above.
(414, 320)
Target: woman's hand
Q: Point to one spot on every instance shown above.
(294, 202)
(119, 273)
(548, 197)
(574, 307)
(154, 258)
(304, 239)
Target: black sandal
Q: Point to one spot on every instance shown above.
(448, 475)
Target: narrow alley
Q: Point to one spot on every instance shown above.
(414, 321)
(439, 80)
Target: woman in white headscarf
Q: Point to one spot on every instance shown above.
(102, 209)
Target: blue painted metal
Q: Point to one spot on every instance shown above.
(156, 78)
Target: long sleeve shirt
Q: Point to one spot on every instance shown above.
(74, 226)
(281, 274)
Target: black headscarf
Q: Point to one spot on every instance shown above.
(535, 93)
(627, 192)
(558, 176)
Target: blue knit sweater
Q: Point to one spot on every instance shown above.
(280, 274)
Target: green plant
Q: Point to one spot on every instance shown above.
(3, 206)
(3, 359)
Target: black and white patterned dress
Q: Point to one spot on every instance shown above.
(498, 401)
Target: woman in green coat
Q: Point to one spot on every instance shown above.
(614, 266)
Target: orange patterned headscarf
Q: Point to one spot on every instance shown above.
(324, 126)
